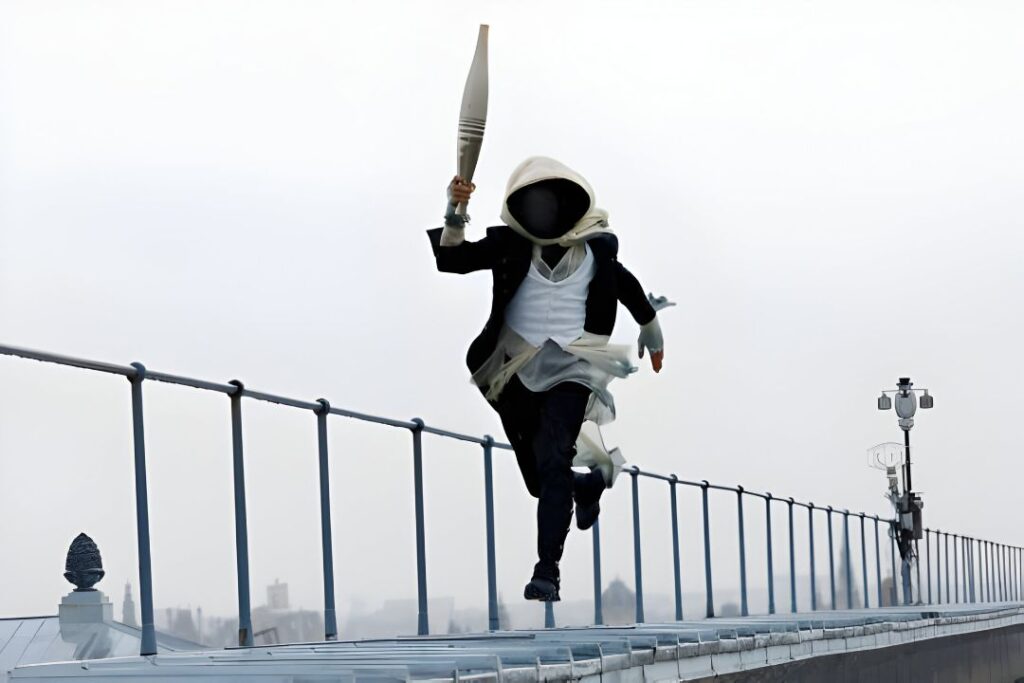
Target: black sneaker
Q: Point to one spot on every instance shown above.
(544, 590)
(586, 515)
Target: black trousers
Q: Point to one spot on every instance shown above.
(542, 429)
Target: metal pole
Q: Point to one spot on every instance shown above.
(848, 563)
(710, 609)
(743, 554)
(945, 544)
(241, 523)
(637, 562)
(595, 537)
(956, 573)
(928, 561)
(938, 566)
(810, 535)
(831, 558)
(971, 592)
(493, 621)
(974, 571)
(878, 563)
(771, 571)
(549, 614)
(675, 550)
(917, 554)
(892, 554)
(1002, 572)
(792, 559)
(423, 620)
(326, 537)
(864, 561)
(148, 643)
(986, 572)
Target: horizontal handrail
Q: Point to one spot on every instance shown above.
(980, 568)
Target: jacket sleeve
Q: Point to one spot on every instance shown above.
(632, 296)
(465, 257)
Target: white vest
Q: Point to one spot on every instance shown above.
(542, 309)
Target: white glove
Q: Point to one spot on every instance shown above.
(651, 337)
(659, 302)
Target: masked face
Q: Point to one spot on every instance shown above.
(549, 208)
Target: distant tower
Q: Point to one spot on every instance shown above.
(128, 607)
(277, 595)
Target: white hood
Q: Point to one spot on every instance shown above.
(536, 169)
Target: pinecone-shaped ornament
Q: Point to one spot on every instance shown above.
(84, 566)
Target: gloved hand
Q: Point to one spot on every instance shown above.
(659, 302)
(652, 340)
(459, 191)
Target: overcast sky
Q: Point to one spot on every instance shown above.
(830, 191)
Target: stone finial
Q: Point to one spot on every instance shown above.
(84, 566)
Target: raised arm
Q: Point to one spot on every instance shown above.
(462, 257)
(452, 252)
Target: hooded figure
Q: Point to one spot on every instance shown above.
(543, 360)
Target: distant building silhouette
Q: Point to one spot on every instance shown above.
(277, 595)
(618, 603)
(128, 607)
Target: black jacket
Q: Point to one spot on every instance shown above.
(507, 255)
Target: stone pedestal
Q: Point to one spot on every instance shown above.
(85, 607)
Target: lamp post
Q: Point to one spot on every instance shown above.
(907, 527)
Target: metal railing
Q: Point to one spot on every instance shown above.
(982, 571)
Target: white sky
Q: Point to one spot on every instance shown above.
(239, 189)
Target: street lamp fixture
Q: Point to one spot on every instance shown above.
(908, 525)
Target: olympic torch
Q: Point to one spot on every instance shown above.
(473, 115)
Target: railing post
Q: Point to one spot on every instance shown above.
(849, 560)
(878, 563)
(1002, 576)
(1006, 575)
(326, 536)
(1001, 549)
(148, 642)
(938, 565)
(771, 569)
(892, 554)
(928, 561)
(864, 561)
(986, 555)
(945, 545)
(241, 523)
(744, 611)
(956, 573)
(974, 572)
(985, 577)
(917, 554)
(963, 566)
(595, 537)
(810, 536)
(792, 559)
(637, 562)
(831, 558)
(677, 573)
(710, 608)
(423, 619)
(492, 576)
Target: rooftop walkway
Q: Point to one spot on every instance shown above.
(719, 649)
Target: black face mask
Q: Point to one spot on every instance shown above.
(550, 208)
